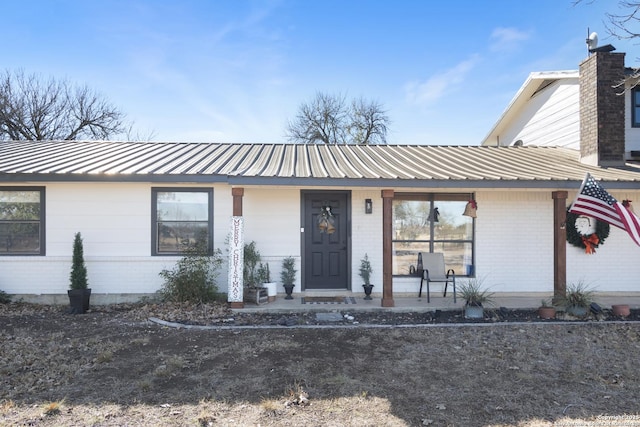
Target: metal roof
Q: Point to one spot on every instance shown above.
(295, 164)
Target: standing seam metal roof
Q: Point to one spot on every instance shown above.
(219, 162)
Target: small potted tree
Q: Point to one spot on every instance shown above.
(288, 275)
(475, 298)
(79, 292)
(365, 274)
(253, 290)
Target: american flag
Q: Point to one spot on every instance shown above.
(594, 201)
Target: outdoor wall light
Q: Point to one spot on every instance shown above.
(368, 206)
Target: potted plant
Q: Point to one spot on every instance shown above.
(288, 275)
(264, 277)
(253, 290)
(475, 298)
(365, 274)
(577, 299)
(546, 310)
(79, 292)
(621, 310)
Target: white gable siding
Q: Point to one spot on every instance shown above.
(550, 118)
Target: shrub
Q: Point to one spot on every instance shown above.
(251, 260)
(193, 278)
(78, 278)
(577, 295)
(288, 273)
(473, 294)
(5, 298)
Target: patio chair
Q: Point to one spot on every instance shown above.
(434, 271)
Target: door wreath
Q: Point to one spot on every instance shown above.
(326, 222)
(583, 234)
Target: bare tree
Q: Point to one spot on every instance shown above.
(329, 119)
(624, 25)
(620, 25)
(35, 109)
(368, 122)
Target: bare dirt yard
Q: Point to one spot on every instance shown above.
(114, 367)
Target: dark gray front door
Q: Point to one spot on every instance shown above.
(326, 254)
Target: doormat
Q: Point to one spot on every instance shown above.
(328, 300)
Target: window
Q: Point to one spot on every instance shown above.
(180, 216)
(635, 107)
(432, 223)
(22, 221)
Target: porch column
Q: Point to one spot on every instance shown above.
(387, 261)
(559, 244)
(235, 282)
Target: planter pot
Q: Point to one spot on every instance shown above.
(79, 300)
(577, 311)
(473, 312)
(289, 290)
(256, 295)
(367, 291)
(546, 312)
(272, 291)
(620, 310)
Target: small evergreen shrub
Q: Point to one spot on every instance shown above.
(288, 273)
(78, 278)
(193, 278)
(5, 298)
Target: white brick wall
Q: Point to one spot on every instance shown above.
(366, 238)
(514, 240)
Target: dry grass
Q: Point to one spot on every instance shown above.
(109, 368)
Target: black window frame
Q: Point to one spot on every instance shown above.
(433, 198)
(154, 217)
(42, 250)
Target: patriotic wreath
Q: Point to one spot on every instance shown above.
(588, 243)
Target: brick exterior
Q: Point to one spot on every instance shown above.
(602, 110)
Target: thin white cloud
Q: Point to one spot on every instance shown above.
(507, 39)
(429, 91)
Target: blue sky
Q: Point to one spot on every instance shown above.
(237, 70)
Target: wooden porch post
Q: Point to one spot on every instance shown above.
(559, 244)
(236, 252)
(387, 231)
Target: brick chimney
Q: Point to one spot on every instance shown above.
(602, 109)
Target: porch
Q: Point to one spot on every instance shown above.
(408, 302)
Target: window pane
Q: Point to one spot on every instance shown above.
(415, 230)
(20, 237)
(178, 236)
(457, 256)
(20, 205)
(182, 206)
(410, 220)
(405, 255)
(452, 225)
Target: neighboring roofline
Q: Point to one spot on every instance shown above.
(527, 90)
